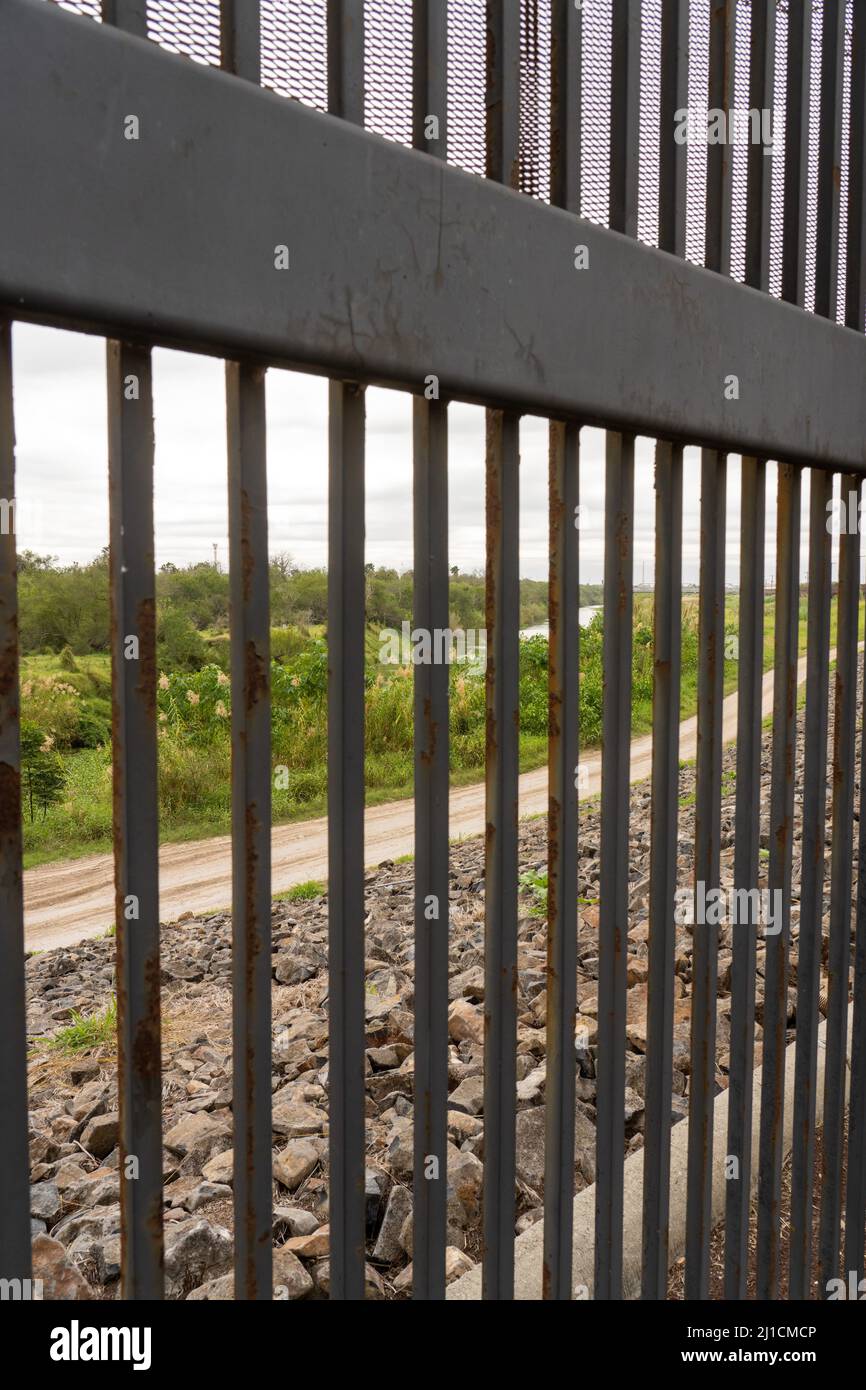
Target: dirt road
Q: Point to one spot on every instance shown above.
(74, 898)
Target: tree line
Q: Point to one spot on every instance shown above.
(68, 605)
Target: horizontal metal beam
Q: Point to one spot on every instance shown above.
(398, 265)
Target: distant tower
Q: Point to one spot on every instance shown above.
(216, 563)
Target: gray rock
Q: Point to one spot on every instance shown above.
(388, 1248)
(194, 1250)
(45, 1202)
(198, 1138)
(99, 1135)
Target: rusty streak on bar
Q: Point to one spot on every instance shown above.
(841, 865)
(14, 1158)
(431, 738)
(563, 709)
(251, 828)
(562, 762)
(746, 864)
(251, 768)
(136, 814)
(702, 1071)
(781, 835)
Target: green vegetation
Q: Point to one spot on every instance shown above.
(535, 884)
(66, 694)
(302, 892)
(87, 1030)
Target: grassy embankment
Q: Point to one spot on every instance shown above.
(70, 698)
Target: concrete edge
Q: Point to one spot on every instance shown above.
(528, 1247)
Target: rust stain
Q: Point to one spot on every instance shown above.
(9, 663)
(146, 1052)
(428, 754)
(10, 805)
(145, 620)
(255, 676)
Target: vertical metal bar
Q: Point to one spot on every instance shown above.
(614, 873)
(500, 917)
(562, 756)
(502, 133)
(674, 96)
(14, 1159)
(855, 272)
(829, 160)
(720, 93)
(565, 104)
(841, 864)
(625, 115)
(797, 98)
(502, 97)
(135, 792)
(760, 159)
(430, 75)
(667, 621)
(855, 285)
(826, 294)
(346, 619)
(563, 701)
(346, 593)
(817, 668)
(711, 636)
(746, 860)
(240, 38)
(855, 1188)
(130, 15)
(345, 27)
(811, 884)
(616, 727)
(430, 444)
(251, 773)
(711, 630)
(251, 828)
(781, 832)
(136, 814)
(431, 609)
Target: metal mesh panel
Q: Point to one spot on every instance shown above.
(388, 68)
(699, 69)
(294, 47)
(466, 74)
(190, 27)
(595, 113)
(650, 122)
(535, 98)
(90, 8)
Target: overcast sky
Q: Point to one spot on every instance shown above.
(60, 417)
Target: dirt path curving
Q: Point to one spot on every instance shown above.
(74, 898)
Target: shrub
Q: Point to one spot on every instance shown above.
(43, 774)
(54, 706)
(179, 645)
